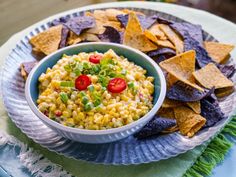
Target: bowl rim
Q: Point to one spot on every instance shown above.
(62, 127)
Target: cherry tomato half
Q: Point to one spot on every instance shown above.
(95, 58)
(116, 85)
(82, 82)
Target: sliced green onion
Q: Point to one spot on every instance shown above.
(131, 85)
(85, 100)
(86, 65)
(112, 74)
(102, 73)
(67, 68)
(82, 94)
(91, 88)
(103, 80)
(88, 106)
(77, 72)
(64, 97)
(97, 102)
(67, 84)
(104, 88)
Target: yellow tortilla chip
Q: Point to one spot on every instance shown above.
(128, 11)
(182, 66)
(210, 76)
(218, 52)
(188, 121)
(170, 80)
(98, 28)
(195, 106)
(48, 41)
(166, 112)
(153, 38)
(168, 103)
(134, 36)
(75, 39)
(171, 130)
(112, 13)
(224, 92)
(155, 29)
(173, 37)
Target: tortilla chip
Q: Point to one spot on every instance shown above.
(161, 54)
(155, 29)
(112, 13)
(128, 11)
(195, 106)
(171, 130)
(166, 112)
(168, 103)
(183, 92)
(171, 80)
(210, 76)
(134, 36)
(188, 121)
(26, 67)
(182, 66)
(211, 111)
(155, 127)
(48, 41)
(73, 38)
(110, 35)
(227, 70)
(173, 37)
(224, 92)
(153, 38)
(218, 52)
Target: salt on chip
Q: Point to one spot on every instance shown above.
(218, 52)
(153, 38)
(188, 121)
(182, 66)
(134, 36)
(173, 37)
(195, 106)
(210, 76)
(48, 41)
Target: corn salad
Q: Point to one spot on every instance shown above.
(95, 91)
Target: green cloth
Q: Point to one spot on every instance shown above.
(174, 167)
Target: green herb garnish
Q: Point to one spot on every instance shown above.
(67, 84)
(131, 85)
(82, 94)
(85, 100)
(88, 106)
(91, 88)
(64, 97)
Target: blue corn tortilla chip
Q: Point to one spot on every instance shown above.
(78, 24)
(64, 35)
(26, 67)
(110, 35)
(155, 127)
(185, 93)
(145, 21)
(161, 54)
(60, 21)
(185, 29)
(227, 70)
(211, 111)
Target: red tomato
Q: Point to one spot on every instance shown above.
(82, 82)
(116, 85)
(95, 58)
(58, 113)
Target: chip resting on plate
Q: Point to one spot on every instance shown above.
(64, 35)
(166, 112)
(173, 37)
(48, 41)
(227, 70)
(210, 76)
(155, 127)
(134, 36)
(78, 24)
(110, 35)
(161, 54)
(181, 91)
(155, 29)
(160, 42)
(182, 66)
(218, 52)
(26, 67)
(188, 121)
(211, 111)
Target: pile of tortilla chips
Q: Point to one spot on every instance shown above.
(195, 69)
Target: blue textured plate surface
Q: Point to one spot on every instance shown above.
(127, 151)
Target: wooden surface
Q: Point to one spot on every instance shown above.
(15, 15)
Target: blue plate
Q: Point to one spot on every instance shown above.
(125, 152)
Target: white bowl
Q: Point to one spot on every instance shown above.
(97, 136)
